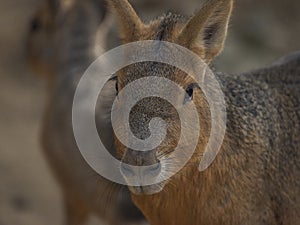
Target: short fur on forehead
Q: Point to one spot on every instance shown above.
(167, 24)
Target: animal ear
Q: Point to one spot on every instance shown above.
(207, 29)
(129, 22)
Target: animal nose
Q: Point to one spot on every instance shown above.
(141, 172)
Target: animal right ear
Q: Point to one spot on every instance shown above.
(207, 29)
(129, 22)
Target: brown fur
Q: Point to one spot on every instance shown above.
(254, 179)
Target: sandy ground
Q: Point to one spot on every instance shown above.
(28, 192)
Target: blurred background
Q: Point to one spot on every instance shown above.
(261, 31)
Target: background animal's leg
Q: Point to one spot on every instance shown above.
(76, 212)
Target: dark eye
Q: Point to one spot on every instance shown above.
(190, 92)
(35, 25)
(117, 88)
(114, 78)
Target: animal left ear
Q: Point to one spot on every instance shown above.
(130, 24)
(206, 31)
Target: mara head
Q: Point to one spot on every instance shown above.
(204, 34)
(41, 37)
(51, 27)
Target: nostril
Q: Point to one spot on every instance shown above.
(155, 169)
(127, 170)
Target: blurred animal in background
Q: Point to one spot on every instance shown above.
(63, 40)
(254, 179)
